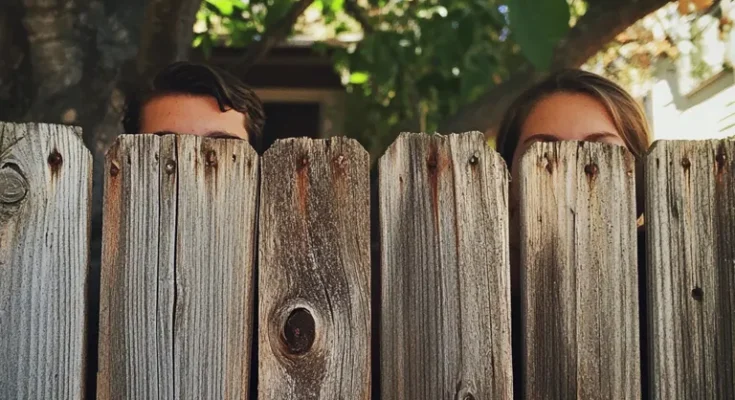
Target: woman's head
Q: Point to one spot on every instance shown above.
(573, 105)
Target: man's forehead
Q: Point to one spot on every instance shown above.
(194, 115)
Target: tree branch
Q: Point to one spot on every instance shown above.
(604, 20)
(274, 35)
(353, 9)
(167, 33)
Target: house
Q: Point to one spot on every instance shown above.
(302, 93)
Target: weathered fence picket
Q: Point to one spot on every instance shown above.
(579, 280)
(314, 271)
(178, 263)
(445, 301)
(45, 193)
(177, 310)
(690, 213)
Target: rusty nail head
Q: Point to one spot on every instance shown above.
(686, 163)
(591, 169)
(54, 159)
(170, 166)
(474, 159)
(211, 158)
(114, 169)
(721, 158)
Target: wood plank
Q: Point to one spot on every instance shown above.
(579, 277)
(445, 278)
(45, 192)
(215, 239)
(690, 217)
(132, 313)
(176, 296)
(314, 272)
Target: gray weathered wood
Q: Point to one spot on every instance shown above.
(690, 218)
(45, 186)
(314, 272)
(579, 278)
(176, 296)
(132, 317)
(215, 239)
(445, 315)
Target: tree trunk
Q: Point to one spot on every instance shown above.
(71, 62)
(604, 20)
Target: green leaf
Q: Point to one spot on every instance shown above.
(225, 7)
(537, 26)
(358, 77)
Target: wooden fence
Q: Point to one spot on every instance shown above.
(226, 275)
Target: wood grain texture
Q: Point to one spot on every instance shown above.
(177, 271)
(445, 278)
(314, 271)
(579, 277)
(45, 192)
(132, 317)
(690, 218)
(215, 240)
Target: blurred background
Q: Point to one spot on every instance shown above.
(369, 69)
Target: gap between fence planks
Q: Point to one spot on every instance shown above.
(690, 213)
(445, 315)
(314, 272)
(177, 268)
(45, 193)
(579, 283)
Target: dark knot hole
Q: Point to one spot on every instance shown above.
(299, 331)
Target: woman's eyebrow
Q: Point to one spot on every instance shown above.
(600, 135)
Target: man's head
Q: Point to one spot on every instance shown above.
(199, 100)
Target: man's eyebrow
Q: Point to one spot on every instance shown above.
(221, 135)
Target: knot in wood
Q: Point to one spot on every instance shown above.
(299, 331)
(114, 169)
(170, 166)
(697, 293)
(468, 396)
(13, 186)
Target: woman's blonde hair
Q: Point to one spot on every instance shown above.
(627, 115)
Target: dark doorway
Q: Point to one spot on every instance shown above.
(284, 120)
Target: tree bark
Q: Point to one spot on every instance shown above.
(604, 20)
(71, 62)
(274, 35)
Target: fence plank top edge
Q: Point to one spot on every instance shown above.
(408, 137)
(281, 144)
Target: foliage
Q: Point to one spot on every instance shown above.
(417, 61)
(689, 34)
(537, 27)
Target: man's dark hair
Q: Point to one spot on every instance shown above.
(200, 80)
